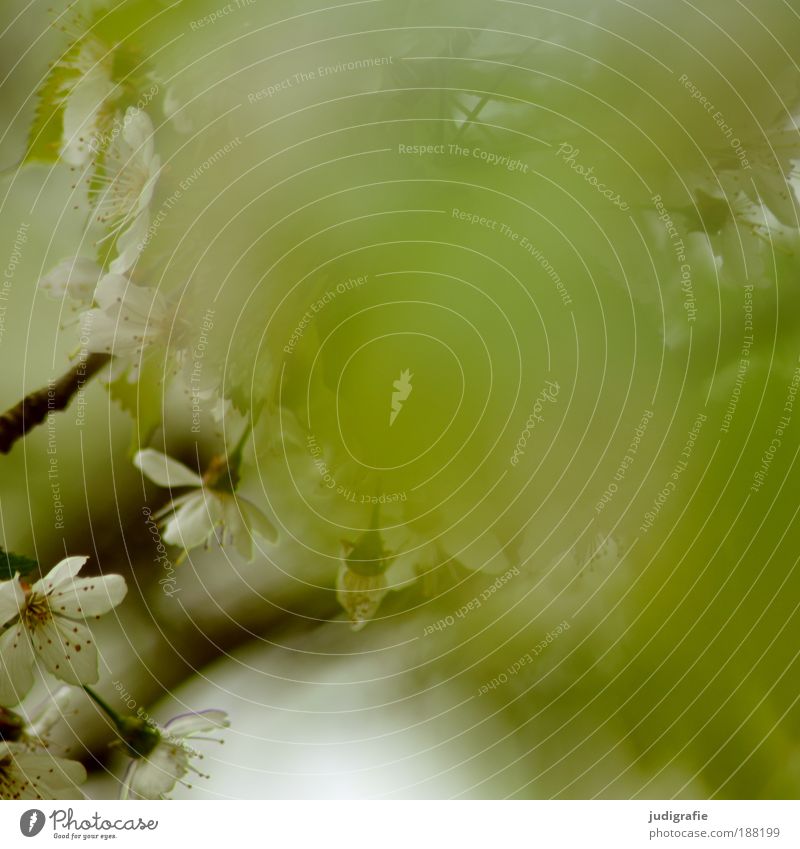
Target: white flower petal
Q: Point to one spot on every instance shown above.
(130, 244)
(88, 596)
(204, 721)
(217, 506)
(235, 526)
(258, 521)
(164, 470)
(62, 572)
(76, 278)
(67, 650)
(11, 600)
(126, 329)
(158, 773)
(137, 130)
(111, 290)
(16, 665)
(776, 192)
(62, 782)
(175, 111)
(150, 186)
(43, 776)
(190, 525)
(101, 330)
(82, 115)
(172, 506)
(128, 778)
(402, 571)
(46, 715)
(242, 540)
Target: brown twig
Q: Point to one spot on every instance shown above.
(34, 408)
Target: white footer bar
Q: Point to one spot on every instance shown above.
(403, 824)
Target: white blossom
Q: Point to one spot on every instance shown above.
(47, 621)
(123, 187)
(169, 757)
(367, 572)
(361, 595)
(211, 507)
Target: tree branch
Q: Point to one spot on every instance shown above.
(34, 408)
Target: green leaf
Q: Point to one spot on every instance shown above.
(15, 564)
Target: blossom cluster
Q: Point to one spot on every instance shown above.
(45, 624)
(122, 317)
